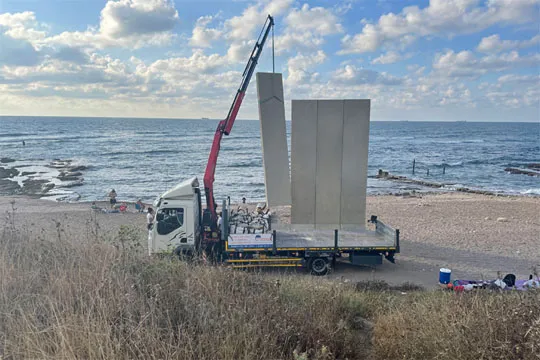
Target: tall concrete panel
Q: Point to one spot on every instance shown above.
(274, 139)
(329, 154)
(329, 161)
(303, 161)
(356, 115)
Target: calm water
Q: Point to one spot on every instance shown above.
(144, 157)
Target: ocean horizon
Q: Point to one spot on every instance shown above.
(142, 157)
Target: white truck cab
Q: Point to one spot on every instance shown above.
(177, 219)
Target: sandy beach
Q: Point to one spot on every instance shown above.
(474, 235)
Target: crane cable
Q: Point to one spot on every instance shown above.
(273, 62)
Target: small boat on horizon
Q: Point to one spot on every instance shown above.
(205, 118)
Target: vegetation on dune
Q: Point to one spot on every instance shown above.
(103, 298)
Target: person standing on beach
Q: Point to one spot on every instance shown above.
(112, 198)
(150, 219)
(140, 206)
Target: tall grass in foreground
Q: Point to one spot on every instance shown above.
(97, 298)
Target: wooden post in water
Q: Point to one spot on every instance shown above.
(427, 172)
(444, 169)
(413, 165)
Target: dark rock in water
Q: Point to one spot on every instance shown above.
(387, 176)
(47, 187)
(77, 168)
(403, 179)
(472, 191)
(8, 187)
(6, 160)
(60, 164)
(78, 182)
(8, 172)
(69, 176)
(521, 171)
(534, 166)
(26, 173)
(67, 197)
(34, 187)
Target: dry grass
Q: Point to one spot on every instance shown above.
(102, 298)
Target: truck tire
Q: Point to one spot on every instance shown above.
(318, 266)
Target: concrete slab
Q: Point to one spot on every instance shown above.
(329, 154)
(274, 139)
(329, 162)
(303, 161)
(356, 115)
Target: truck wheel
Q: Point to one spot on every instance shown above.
(318, 266)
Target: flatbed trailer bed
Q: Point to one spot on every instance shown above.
(301, 247)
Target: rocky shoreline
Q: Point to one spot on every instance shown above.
(531, 170)
(47, 179)
(385, 175)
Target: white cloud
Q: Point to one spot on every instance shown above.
(21, 26)
(123, 23)
(203, 36)
(466, 64)
(318, 20)
(514, 79)
(239, 51)
(387, 58)
(293, 41)
(197, 63)
(440, 18)
(240, 30)
(299, 68)
(501, 99)
(130, 18)
(494, 44)
(350, 74)
(54, 72)
(306, 28)
(243, 26)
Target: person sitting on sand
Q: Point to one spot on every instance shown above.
(112, 198)
(123, 207)
(139, 206)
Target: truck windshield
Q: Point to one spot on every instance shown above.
(169, 219)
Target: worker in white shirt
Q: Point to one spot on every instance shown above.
(150, 218)
(219, 221)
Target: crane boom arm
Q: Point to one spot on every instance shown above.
(225, 126)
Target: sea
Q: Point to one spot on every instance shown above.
(141, 158)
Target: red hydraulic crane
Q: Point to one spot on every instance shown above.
(224, 128)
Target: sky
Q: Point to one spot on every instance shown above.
(437, 60)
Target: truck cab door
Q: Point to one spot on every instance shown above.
(172, 230)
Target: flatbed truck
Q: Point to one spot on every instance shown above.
(179, 227)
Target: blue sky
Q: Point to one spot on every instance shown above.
(474, 60)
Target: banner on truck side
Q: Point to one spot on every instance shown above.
(250, 240)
